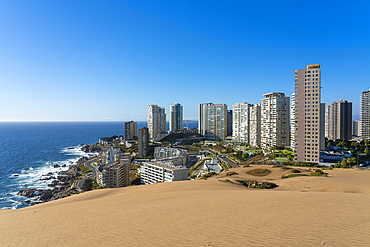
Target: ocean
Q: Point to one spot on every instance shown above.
(28, 150)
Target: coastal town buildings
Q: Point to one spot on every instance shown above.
(143, 142)
(104, 140)
(116, 174)
(156, 122)
(154, 172)
(213, 121)
(274, 121)
(130, 130)
(176, 117)
(309, 115)
(255, 126)
(241, 122)
(339, 120)
(365, 115)
(111, 155)
(175, 156)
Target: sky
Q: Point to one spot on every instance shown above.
(108, 60)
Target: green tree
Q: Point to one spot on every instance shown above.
(245, 156)
(88, 185)
(290, 158)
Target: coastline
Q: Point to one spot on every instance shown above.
(61, 182)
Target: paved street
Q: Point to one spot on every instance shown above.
(224, 158)
(88, 164)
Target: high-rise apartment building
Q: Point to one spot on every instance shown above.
(356, 129)
(365, 115)
(255, 126)
(213, 121)
(229, 122)
(143, 142)
(176, 117)
(339, 120)
(293, 124)
(130, 130)
(156, 122)
(241, 122)
(309, 114)
(274, 121)
(327, 121)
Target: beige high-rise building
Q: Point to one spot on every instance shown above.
(274, 121)
(241, 122)
(255, 126)
(213, 121)
(156, 122)
(309, 115)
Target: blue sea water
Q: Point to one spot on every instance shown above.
(28, 150)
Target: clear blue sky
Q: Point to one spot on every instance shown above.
(108, 60)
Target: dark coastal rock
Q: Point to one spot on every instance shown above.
(29, 193)
(59, 188)
(46, 195)
(94, 148)
(56, 166)
(47, 178)
(54, 183)
(64, 165)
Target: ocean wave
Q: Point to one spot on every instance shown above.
(29, 178)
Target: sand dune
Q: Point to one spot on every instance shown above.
(203, 213)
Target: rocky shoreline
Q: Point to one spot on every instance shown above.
(61, 186)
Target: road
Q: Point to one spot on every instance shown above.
(82, 181)
(223, 157)
(227, 160)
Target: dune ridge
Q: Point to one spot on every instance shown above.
(203, 213)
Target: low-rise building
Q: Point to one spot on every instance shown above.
(154, 172)
(175, 156)
(104, 140)
(111, 155)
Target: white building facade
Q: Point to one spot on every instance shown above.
(365, 115)
(154, 172)
(275, 121)
(255, 126)
(156, 122)
(241, 122)
(213, 121)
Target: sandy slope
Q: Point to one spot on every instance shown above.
(201, 213)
